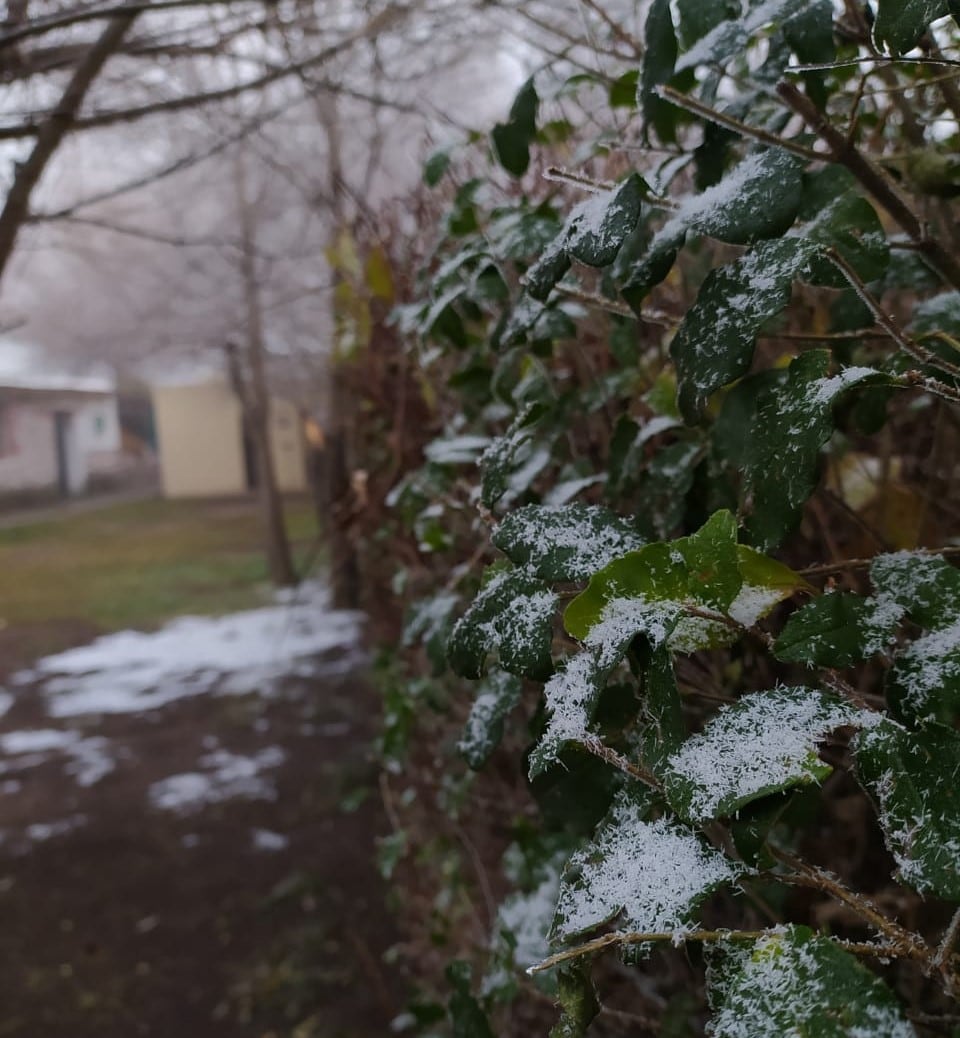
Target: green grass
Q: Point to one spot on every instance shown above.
(137, 565)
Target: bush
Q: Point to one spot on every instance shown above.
(710, 382)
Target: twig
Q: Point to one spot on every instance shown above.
(945, 948)
(836, 567)
(872, 178)
(596, 746)
(565, 176)
(909, 346)
(903, 943)
(700, 936)
(690, 104)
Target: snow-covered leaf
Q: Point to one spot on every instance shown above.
(836, 630)
(715, 342)
(456, 450)
(568, 543)
(939, 313)
(925, 678)
(648, 876)
(900, 23)
(795, 983)
(698, 17)
(513, 460)
(429, 623)
(782, 469)
(652, 592)
(512, 616)
(757, 199)
(570, 699)
(834, 214)
(914, 778)
(764, 744)
(592, 234)
(496, 696)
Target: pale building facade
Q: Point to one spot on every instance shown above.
(204, 451)
(55, 436)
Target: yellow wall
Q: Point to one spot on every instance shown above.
(200, 439)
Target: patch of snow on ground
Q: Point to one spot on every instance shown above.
(267, 840)
(132, 671)
(226, 775)
(89, 759)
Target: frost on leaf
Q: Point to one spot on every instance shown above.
(570, 698)
(648, 876)
(496, 696)
(925, 679)
(512, 616)
(685, 591)
(782, 471)
(914, 778)
(592, 234)
(764, 744)
(715, 342)
(793, 983)
(512, 461)
(568, 543)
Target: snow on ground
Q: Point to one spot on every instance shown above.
(134, 671)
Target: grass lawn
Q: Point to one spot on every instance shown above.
(137, 565)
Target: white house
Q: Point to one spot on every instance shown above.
(56, 430)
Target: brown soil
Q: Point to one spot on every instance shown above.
(148, 922)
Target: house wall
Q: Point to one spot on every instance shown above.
(200, 440)
(97, 432)
(28, 451)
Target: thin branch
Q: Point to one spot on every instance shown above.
(837, 567)
(690, 104)
(909, 346)
(872, 178)
(50, 134)
(680, 937)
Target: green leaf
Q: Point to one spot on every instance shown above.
(568, 542)
(435, 166)
(513, 460)
(647, 591)
(429, 623)
(578, 1002)
(512, 139)
(901, 23)
(592, 234)
(757, 199)
(924, 681)
(834, 214)
(663, 726)
(764, 744)
(666, 483)
(941, 313)
(658, 61)
(513, 616)
(649, 876)
(623, 90)
(698, 17)
(715, 342)
(914, 778)
(781, 471)
(837, 629)
(496, 696)
(795, 983)
(466, 1014)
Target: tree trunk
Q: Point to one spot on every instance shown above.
(255, 402)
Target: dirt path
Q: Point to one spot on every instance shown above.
(192, 870)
